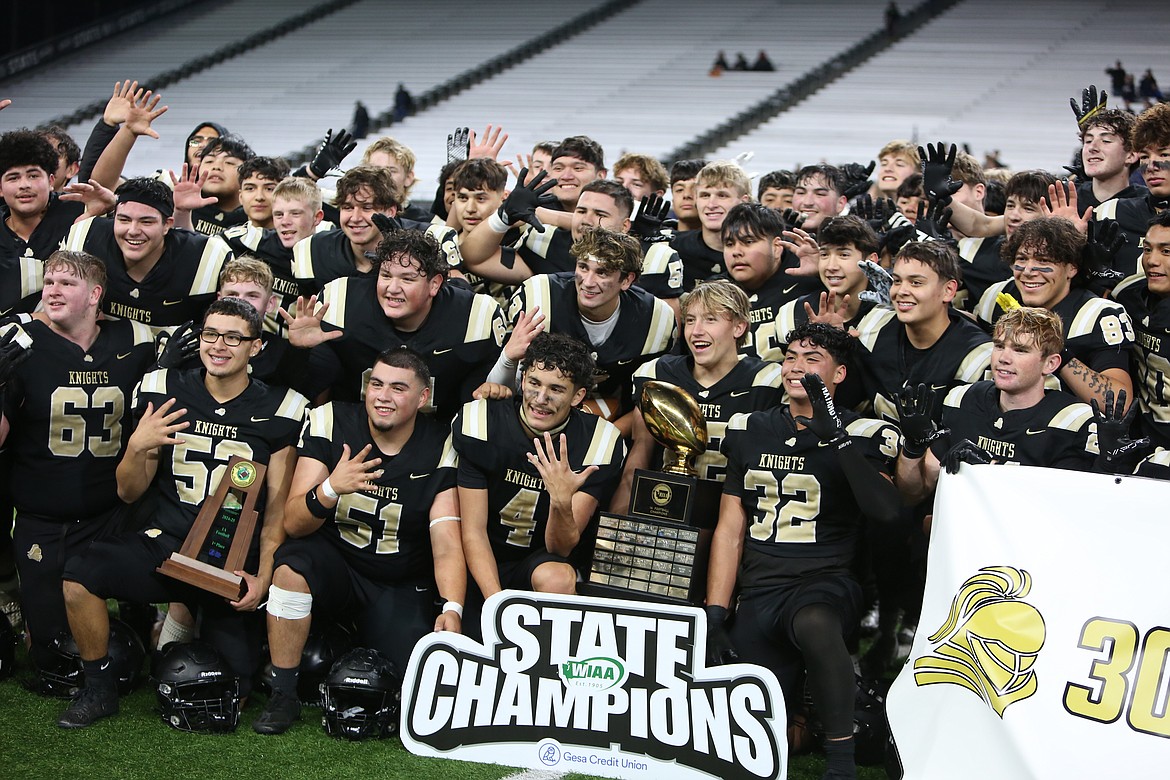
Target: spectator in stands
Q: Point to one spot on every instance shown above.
(893, 16)
(762, 62)
(349, 250)
(720, 64)
(1148, 88)
(403, 103)
(68, 154)
(258, 179)
(1129, 95)
(576, 161)
(819, 194)
(360, 125)
(775, 189)
(1117, 76)
(642, 175)
(741, 62)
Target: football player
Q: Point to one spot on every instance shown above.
(373, 525)
(190, 424)
(717, 187)
(219, 168)
(532, 472)
(258, 179)
(715, 321)
(65, 421)
(801, 478)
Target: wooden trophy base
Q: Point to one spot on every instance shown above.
(201, 575)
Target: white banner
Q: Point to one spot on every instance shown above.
(1043, 649)
(592, 686)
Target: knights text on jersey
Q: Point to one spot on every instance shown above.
(212, 220)
(178, 288)
(460, 339)
(752, 386)
(1058, 432)
(383, 532)
(266, 245)
(257, 423)
(802, 515)
(493, 452)
(68, 412)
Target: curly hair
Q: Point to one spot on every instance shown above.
(1116, 121)
(837, 342)
(384, 190)
(1151, 130)
(559, 352)
(27, 147)
(1055, 237)
(614, 251)
(1025, 325)
(402, 246)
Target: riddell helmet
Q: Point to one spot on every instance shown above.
(7, 647)
(194, 689)
(60, 670)
(360, 696)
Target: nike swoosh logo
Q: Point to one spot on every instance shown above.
(172, 303)
(123, 357)
(625, 362)
(789, 289)
(261, 419)
(1031, 432)
(824, 443)
(420, 476)
(443, 351)
(936, 388)
(738, 393)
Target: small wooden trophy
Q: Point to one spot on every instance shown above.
(218, 542)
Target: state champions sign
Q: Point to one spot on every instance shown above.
(596, 686)
(1043, 650)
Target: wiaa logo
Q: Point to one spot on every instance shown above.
(989, 641)
(597, 674)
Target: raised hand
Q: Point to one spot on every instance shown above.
(806, 249)
(118, 108)
(832, 310)
(857, 179)
(792, 218)
(1090, 106)
(560, 481)
(826, 423)
(528, 326)
(458, 144)
(1114, 424)
(937, 164)
(142, 112)
(651, 213)
(916, 419)
(933, 221)
(188, 189)
(875, 212)
(522, 201)
(354, 474)
(12, 354)
(1104, 241)
(1063, 197)
(335, 148)
(490, 146)
(158, 427)
(304, 326)
(98, 200)
(177, 348)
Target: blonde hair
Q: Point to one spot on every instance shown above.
(724, 172)
(902, 148)
(247, 268)
(396, 149)
(720, 296)
(297, 188)
(1025, 325)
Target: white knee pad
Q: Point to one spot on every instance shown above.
(289, 604)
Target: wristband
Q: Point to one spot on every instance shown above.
(454, 606)
(316, 508)
(327, 490)
(914, 450)
(496, 222)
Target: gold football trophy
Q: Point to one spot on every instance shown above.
(658, 551)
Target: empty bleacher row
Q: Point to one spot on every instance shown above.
(994, 73)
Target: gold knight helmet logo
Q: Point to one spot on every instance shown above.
(990, 640)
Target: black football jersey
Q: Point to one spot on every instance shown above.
(982, 267)
(1059, 431)
(493, 452)
(68, 412)
(460, 339)
(752, 386)
(699, 260)
(1155, 466)
(1086, 197)
(888, 361)
(22, 262)
(265, 244)
(1098, 331)
(766, 302)
(211, 220)
(322, 257)
(548, 253)
(803, 517)
(1133, 216)
(1150, 316)
(180, 286)
(645, 329)
(384, 532)
(257, 423)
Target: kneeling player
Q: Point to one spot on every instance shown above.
(789, 522)
(373, 519)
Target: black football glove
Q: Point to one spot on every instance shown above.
(966, 451)
(1104, 241)
(1078, 167)
(792, 218)
(719, 648)
(1114, 442)
(333, 150)
(857, 179)
(177, 348)
(384, 223)
(915, 413)
(826, 423)
(937, 164)
(875, 212)
(651, 213)
(933, 221)
(521, 203)
(1090, 106)
(459, 144)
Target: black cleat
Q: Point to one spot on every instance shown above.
(87, 706)
(278, 715)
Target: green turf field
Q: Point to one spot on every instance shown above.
(136, 744)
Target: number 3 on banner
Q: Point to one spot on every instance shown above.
(1106, 698)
